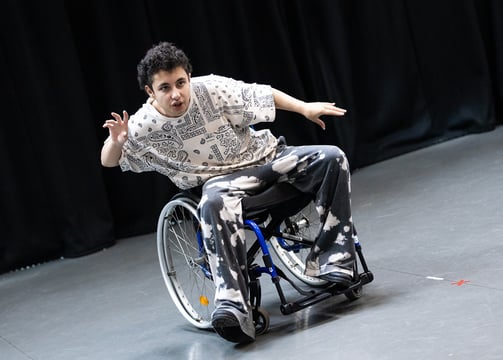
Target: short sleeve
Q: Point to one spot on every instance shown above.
(244, 103)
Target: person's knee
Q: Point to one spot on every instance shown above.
(335, 154)
(213, 194)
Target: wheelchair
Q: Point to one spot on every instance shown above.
(282, 219)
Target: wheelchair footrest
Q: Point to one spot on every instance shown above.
(294, 306)
(318, 296)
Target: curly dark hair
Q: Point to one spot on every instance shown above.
(163, 56)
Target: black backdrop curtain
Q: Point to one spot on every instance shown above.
(411, 74)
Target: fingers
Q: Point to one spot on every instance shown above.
(109, 123)
(117, 119)
(337, 111)
(325, 108)
(125, 116)
(321, 123)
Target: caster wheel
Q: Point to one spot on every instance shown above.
(261, 319)
(354, 294)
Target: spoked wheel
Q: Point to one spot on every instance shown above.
(184, 262)
(293, 255)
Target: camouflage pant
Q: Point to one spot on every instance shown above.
(319, 170)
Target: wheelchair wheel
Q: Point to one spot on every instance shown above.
(306, 224)
(184, 262)
(354, 294)
(262, 321)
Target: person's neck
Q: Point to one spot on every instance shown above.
(156, 106)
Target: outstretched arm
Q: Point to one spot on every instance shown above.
(112, 149)
(311, 110)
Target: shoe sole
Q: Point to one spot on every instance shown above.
(341, 281)
(227, 326)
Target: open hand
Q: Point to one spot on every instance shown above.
(313, 111)
(118, 127)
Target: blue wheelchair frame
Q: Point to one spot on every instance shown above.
(279, 202)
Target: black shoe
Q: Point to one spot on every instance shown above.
(227, 326)
(338, 279)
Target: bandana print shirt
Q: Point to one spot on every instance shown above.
(212, 138)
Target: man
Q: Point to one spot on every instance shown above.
(197, 132)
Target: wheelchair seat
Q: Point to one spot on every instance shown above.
(280, 200)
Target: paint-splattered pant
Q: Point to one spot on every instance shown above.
(319, 170)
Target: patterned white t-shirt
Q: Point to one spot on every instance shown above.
(212, 138)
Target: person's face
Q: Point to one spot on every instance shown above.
(171, 92)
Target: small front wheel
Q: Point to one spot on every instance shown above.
(262, 320)
(354, 294)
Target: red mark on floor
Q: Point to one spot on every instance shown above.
(460, 282)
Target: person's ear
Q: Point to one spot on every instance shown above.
(149, 91)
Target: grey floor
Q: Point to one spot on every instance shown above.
(431, 223)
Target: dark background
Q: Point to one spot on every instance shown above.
(411, 74)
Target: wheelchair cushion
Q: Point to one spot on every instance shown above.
(279, 195)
